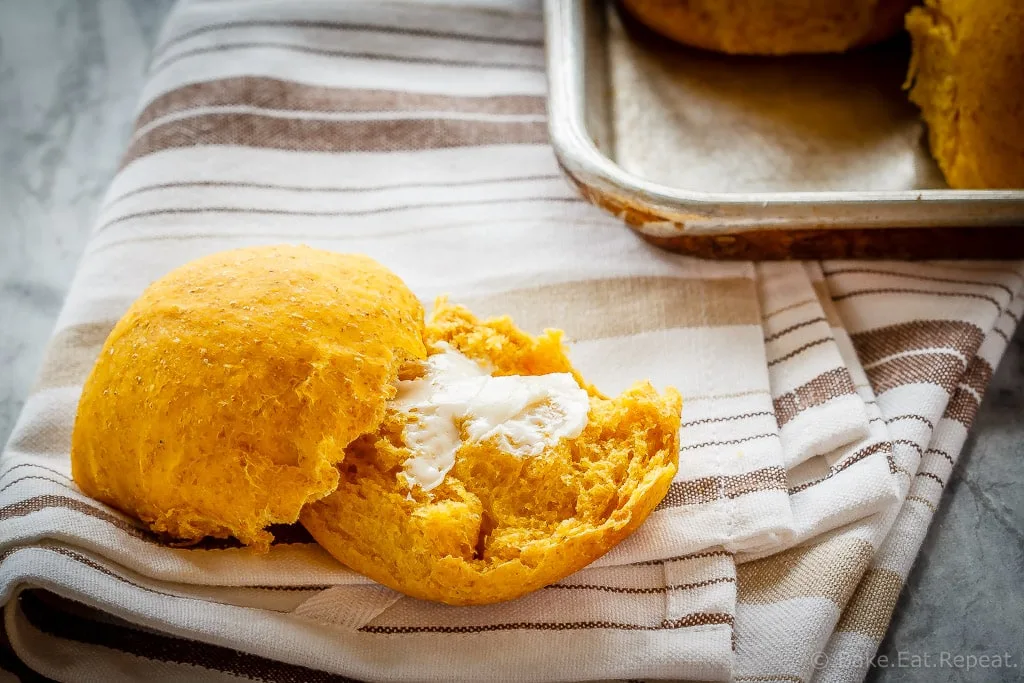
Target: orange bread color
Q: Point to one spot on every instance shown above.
(222, 400)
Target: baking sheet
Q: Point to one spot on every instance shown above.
(757, 158)
(718, 123)
(725, 157)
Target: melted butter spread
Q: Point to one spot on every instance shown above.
(457, 401)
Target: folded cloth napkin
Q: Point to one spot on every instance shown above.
(834, 443)
(918, 332)
(816, 406)
(866, 615)
(415, 133)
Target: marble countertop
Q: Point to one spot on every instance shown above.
(70, 71)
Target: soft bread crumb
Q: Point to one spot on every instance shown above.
(500, 526)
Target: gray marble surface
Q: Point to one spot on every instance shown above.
(70, 71)
(965, 594)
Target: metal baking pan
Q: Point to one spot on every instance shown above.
(757, 158)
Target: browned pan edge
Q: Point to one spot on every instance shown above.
(997, 242)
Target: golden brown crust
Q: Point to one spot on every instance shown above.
(772, 27)
(967, 75)
(213, 408)
(500, 525)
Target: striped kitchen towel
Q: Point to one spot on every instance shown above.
(384, 129)
(415, 133)
(76, 617)
(834, 441)
(918, 331)
(815, 403)
(867, 614)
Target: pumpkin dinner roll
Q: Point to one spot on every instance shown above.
(497, 469)
(772, 27)
(967, 76)
(223, 399)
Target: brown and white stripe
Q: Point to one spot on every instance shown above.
(896, 335)
(814, 399)
(866, 617)
(679, 625)
(837, 447)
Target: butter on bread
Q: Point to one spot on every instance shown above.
(772, 27)
(222, 400)
(967, 76)
(460, 461)
(500, 525)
